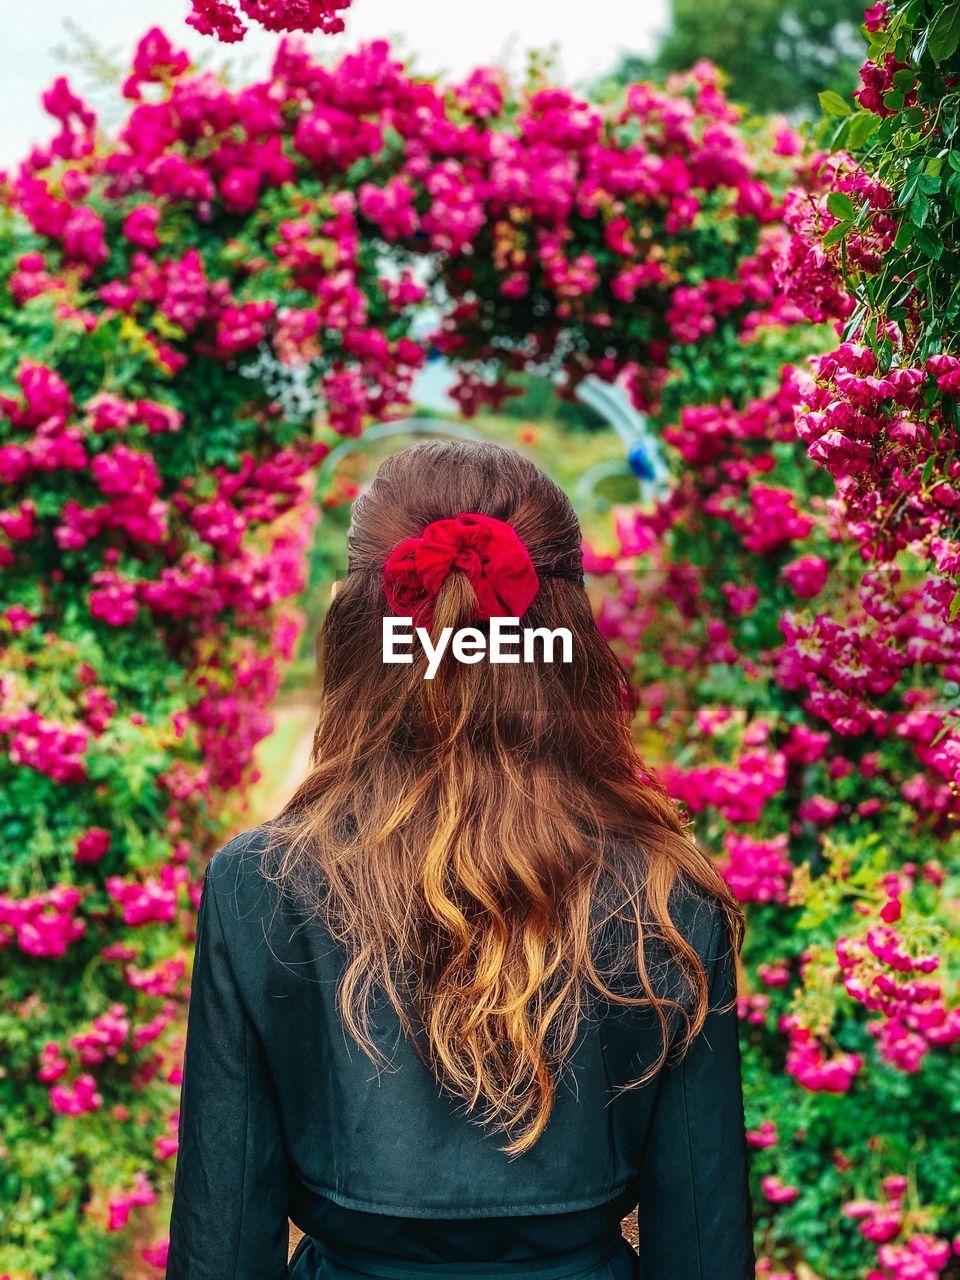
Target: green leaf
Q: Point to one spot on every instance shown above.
(833, 104)
(927, 471)
(841, 206)
(928, 242)
(835, 234)
(944, 33)
(919, 209)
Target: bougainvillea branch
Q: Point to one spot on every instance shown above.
(224, 18)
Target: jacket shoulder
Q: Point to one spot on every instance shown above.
(239, 874)
(701, 919)
(698, 916)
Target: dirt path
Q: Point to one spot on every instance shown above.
(283, 759)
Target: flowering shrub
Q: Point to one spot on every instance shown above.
(798, 693)
(794, 623)
(880, 412)
(222, 18)
(142, 619)
(825, 792)
(192, 309)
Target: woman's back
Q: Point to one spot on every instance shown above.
(297, 1121)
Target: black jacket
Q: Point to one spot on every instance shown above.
(282, 1114)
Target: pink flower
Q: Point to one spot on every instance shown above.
(774, 975)
(765, 1136)
(52, 1063)
(113, 600)
(151, 901)
(75, 1099)
(777, 1192)
(808, 1064)
(807, 575)
(391, 207)
(156, 1254)
(121, 1206)
(922, 1257)
(84, 237)
(92, 845)
(140, 226)
(818, 809)
(757, 870)
(52, 749)
(107, 1035)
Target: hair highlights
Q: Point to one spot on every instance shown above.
(466, 838)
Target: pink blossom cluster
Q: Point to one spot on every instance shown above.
(876, 80)
(881, 1221)
(884, 432)
(53, 749)
(153, 900)
(93, 845)
(753, 1009)
(914, 1013)
(122, 1204)
(842, 669)
(808, 1062)
(875, 433)
(767, 520)
(740, 792)
(921, 1257)
(161, 979)
(777, 1192)
(76, 1098)
(464, 182)
(813, 272)
(757, 870)
(43, 924)
(107, 1035)
(764, 1136)
(222, 18)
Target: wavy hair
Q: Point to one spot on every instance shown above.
(464, 837)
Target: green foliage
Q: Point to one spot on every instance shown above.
(779, 55)
(909, 143)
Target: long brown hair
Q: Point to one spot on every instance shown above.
(455, 833)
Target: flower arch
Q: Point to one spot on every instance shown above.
(199, 306)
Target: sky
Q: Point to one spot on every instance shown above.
(445, 35)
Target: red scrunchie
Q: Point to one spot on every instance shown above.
(488, 551)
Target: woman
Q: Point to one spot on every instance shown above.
(468, 1000)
